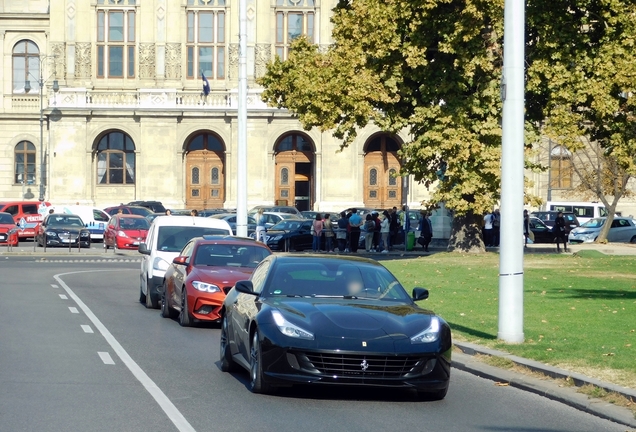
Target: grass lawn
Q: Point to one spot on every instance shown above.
(579, 311)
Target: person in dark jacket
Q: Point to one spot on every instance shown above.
(426, 230)
(559, 232)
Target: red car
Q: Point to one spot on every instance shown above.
(125, 231)
(8, 230)
(198, 279)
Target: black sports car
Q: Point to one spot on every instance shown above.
(61, 229)
(317, 319)
(290, 234)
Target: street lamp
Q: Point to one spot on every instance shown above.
(27, 89)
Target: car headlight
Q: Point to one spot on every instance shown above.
(160, 264)
(85, 234)
(431, 334)
(51, 234)
(276, 238)
(121, 234)
(289, 329)
(205, 287)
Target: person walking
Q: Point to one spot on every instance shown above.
(316, 232)
(385, 231)
(526, 227)
(426, 230)
(329, 234)
(261, 219)
(355, 222)
(559, 232)
(341, 234)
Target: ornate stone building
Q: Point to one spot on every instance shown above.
(129, 119)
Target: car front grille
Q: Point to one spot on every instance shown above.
(67, 236)
(360, 365)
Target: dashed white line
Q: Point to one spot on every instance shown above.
(87, 328)
(166, 404)
(73, 309)
(63, 296)
(54, 286)
(106, 358)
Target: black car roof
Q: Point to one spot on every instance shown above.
(291, 258)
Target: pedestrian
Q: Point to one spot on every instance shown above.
(376, 232)
(316, 231)
(488, 218)
(496, 222)
(168, 212)
(120, 211)
(261, 229)
(369, 227)
(194, 213)
(560, 231)
(426, 230)
(526, 227)
(341, 234)
(329, 234)
(393, 227)
(355, 222)
(385, 231)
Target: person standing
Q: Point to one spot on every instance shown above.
(526, 227)
(488, 229)
(376, 231)
(328, 230)
(369, 227)
(341, 234)
(385, 231)
(394, 227)
(261, 219)
(426, 230)
(496, 223)
(316, 232)
(559, 232)
(355, 222)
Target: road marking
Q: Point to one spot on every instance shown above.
(54, 286)
(73, 309)
(87, 328)
(63, 297)
(106, 358)
(166, 404)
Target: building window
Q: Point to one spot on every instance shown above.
(214, 174)
(116, 42)
(117, 2)
(206, 40)
(294, 142)
(195, 176)
(26, 66)
(284, 177)
(24, 156)
(373, 177)
(298, 21)
(560, 168)
(392, 177)
(116, 159)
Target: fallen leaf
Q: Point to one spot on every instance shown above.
(628, 345)
(573, 308)
(502, 384)
(608, 354)
(543, 321)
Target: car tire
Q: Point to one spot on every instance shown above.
(633, 240)
(142, 296)
(185, 320)
(152, 301)
(257, 385)
(227, 363)
(166, 310)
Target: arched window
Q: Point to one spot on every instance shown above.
(296, 142)
(24, 156)
(195, 176)
(284, 177)
(116, 159)
(214, 176)
(560, 168)
(392, 177)
(26, 66)
(206, 141)
(373, 177)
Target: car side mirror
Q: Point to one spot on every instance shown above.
(420, 294)
(181, 260)
(245, 287)
(143, 249)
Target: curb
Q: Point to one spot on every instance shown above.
(566, 395)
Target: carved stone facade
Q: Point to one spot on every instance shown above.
(233, 55)
(58, 51)
(83, 59)
(262, 56)
(173, 61)
(147, 60)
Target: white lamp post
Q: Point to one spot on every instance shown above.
(27, 88)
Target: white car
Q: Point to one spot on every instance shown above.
(95, 219)
(166, 237)
(622, 230)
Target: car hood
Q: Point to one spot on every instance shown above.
(579, 230)
(222, 276)
(7, 227)
(354, 319)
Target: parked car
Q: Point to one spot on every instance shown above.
(137, 210)
(206, 269)
(155, 206)
(8, 230)
(94, 218)
(275, 209)
(61, 229)
(32, 212)
(622, 230)
(126, 231)
(290, 235)
(231, 219)
(548, 217)
(152, 216)
(319, 319)
(166, 238)
(272, 218)
(542, 232)
(214, 211)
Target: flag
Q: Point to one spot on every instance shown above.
(206, 85)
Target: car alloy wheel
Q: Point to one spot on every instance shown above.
(257, 385)
(227, 363)
(152, 300)
(184, 316)
(166, 310)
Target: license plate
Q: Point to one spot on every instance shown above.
(3, 237)
(135, 243)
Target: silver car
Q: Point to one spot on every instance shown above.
(622, 230)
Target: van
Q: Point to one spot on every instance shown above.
(584, 211)
(32, 212)
(166, 237)
(95, 219)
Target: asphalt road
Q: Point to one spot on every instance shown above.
(79, 353)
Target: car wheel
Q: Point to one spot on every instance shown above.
(227, 363)
(166, 310)
(257, 385)
(152, 300)
(142, 296)
(185, 320)
(633, 240)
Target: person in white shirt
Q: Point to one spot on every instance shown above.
(488, 219)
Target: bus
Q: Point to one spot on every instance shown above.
(584, 211)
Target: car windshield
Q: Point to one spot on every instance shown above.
(134, 223)
(229, 255)
(594, 223)
(287, 225)
(6, 218)
(65, 221)
(335, 279)
(173, 238)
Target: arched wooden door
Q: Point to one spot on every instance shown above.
(205, 172)
(294, 172)
(382, 189)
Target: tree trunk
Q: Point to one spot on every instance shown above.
(466, 235)
(611, 209)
